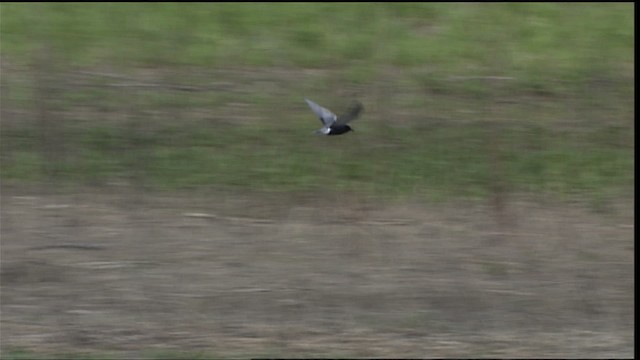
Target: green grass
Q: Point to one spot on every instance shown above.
(24, 354)
(442, 162)
(523, 40)
(565, 63)
(21, 354)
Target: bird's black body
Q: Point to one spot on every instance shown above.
(339, 129)
(333, 124)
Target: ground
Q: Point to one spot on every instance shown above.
(162, 194)
(126, 272)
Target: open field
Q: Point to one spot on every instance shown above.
(244, 275)
(163, 194)
(256, 134)
(537, 43)
(538, 97)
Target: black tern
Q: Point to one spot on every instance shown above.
(333, 124)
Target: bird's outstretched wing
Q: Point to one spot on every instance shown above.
(326, 116)
(354, 111)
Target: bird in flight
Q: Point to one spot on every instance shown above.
(333, 124)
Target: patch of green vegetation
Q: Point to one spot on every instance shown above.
(24, 166)
(445, 161)
(537, 43)
(497, 269)
(23, 354)
(419, 61)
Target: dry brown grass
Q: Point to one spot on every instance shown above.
(264, 275)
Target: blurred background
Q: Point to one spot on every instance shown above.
(163, 194)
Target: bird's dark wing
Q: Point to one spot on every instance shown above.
(326, 116)
(354, 111)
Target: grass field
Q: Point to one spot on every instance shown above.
(116, 273)
(523, 40)
(211, 94)
(517, 112)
